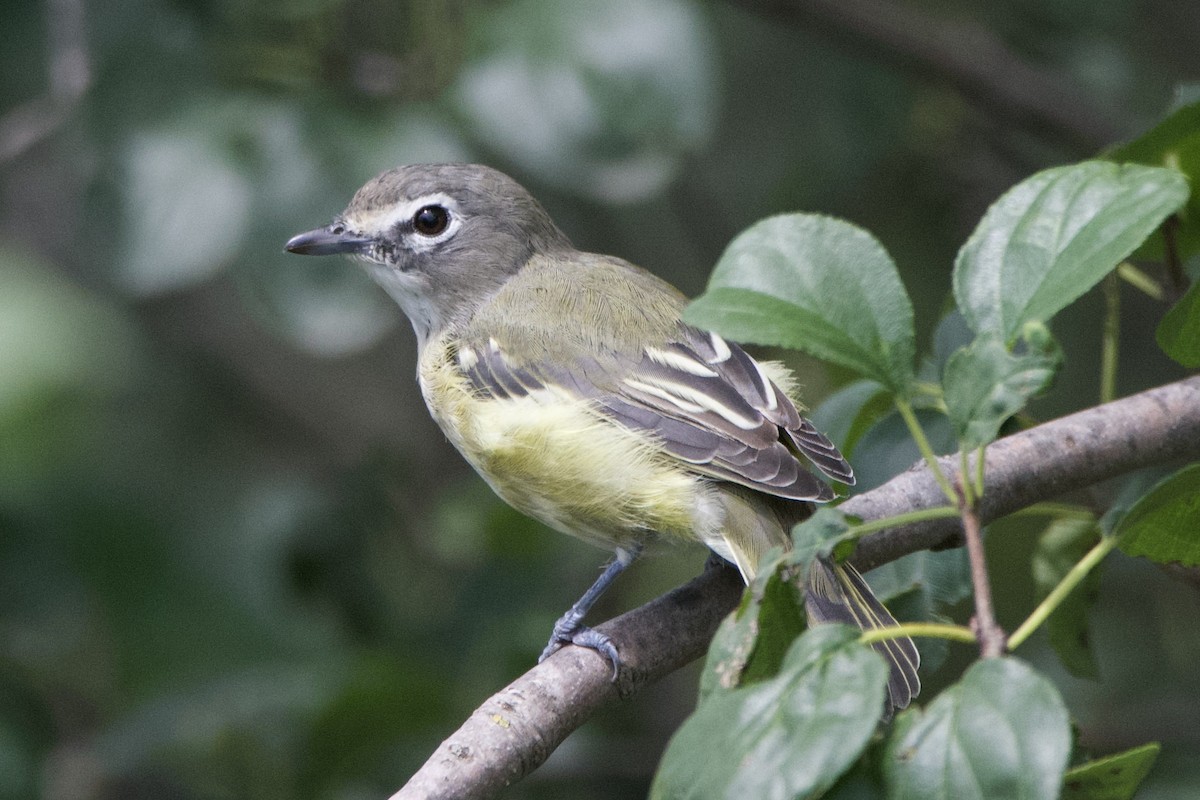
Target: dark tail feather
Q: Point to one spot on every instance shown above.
(838, 593)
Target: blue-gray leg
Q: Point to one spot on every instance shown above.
(570, 628)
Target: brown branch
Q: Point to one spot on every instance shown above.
(517, 729)
(987, 630)
(1158, 426)
(512, 733)
(967, 56)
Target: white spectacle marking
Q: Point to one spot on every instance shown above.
(381, 221)
(680, 362)
(722, 348)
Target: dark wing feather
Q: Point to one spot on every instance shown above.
(707, 401)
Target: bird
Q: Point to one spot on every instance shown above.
(570, 382)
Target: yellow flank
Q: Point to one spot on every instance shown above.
(553, 457)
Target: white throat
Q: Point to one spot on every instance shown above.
(404, 289)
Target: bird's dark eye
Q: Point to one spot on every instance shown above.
(431, 220)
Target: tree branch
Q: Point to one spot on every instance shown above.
(512, 733)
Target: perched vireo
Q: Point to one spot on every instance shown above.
(569, 382)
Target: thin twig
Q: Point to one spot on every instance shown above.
(989, 633)
(918, 433)
(1158, 426)
(1053, 600)
(1140, 281)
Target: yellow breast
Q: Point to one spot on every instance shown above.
(552, 456)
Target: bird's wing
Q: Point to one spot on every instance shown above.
(706, 400)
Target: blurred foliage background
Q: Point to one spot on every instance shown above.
(236, 557)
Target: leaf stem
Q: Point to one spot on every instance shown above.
(922, 515)
(980, 464)
(1140, 281)
(914, 428)
(1051, 509)
(964, 477)
(1112, 330)
(1059, 593)
(932, 630)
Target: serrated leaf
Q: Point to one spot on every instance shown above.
(1054, 236)
(751, 642)
(1165, 524)
(1114, 777)
(1179, 332)
(816, 284)
(1002, 731)
(985, 384)
(789, 737)
(1059, 548)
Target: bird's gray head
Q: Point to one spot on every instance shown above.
(440, 238)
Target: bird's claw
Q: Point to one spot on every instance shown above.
(583, 636)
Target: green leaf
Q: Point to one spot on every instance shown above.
(1165, 524)
(788, 737)
(1173, 143)
(1115, 777)
(985, 384)
(861, 782)
(1054, 236)
(1002, 731)
(817, 284)
(1179, 332)
(1059, 548)
(826, 534)
(751, 642)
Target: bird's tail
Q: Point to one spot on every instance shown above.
(838, 593)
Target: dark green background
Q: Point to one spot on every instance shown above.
(237, 560)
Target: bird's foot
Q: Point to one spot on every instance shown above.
(569, 630)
